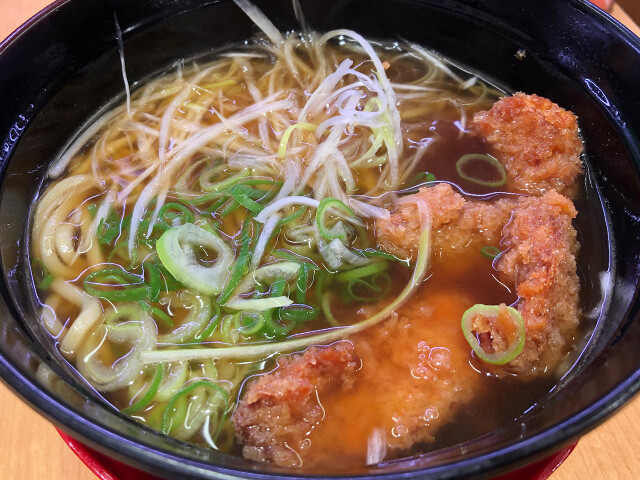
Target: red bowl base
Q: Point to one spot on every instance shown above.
(107, 468)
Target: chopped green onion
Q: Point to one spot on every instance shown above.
(374, 290)
(116, 285)
(301, 284)
(242, 263)
(361, 272)
(208, 186)
(163, 317)
(282, 149)
(149, 395)
(46, 281)
(242, 195)
(109, 228)
(272, 274)
(255, 324)
(166, 319)
(274, 329)
(326, 203)
(259, 304)
(170, 283)
(492, 161)
(173, 211)
(490, 252)
(116, 248)
(167, 426)
(217, 204)
(92, 208)
(232, 205)
(294, 216)
(299, 313)
(264, 350)
(420, 178)
(47, 278)
(206, 333)
(325, 304)
(494, 315)
(155, 280)
(277, 287)
(175, 251)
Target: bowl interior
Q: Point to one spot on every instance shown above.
(65, 67)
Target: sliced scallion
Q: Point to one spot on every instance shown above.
(361, 272)
(282, 149)
(325, 204)
(116, 285)
(175, 251)
(167, 423)
(465, 160)
(174, 212)
(501, 325)
(242, 195)
(490, 252)
(149, 395)
(248, 323)
(242, 263)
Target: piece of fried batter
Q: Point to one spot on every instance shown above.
(540, 260)
(455, 222)
(536, 141)
(279, 410)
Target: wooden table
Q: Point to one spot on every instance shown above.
(32, 450)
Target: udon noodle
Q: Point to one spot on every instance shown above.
(294, 193)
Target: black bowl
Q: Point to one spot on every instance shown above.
(63, 66)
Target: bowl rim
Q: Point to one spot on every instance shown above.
(156, 461)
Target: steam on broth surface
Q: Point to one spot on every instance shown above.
(370, 205)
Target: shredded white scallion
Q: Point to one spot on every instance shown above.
(122, 63)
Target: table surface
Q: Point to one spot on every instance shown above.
(33, 449)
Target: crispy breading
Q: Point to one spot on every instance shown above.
(536, 141)
(540, 260)
(279, 410)
(456, 223)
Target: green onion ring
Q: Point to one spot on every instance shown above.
(206, 333)
(149, 395)
(361, 272)
(242, 263)
(331, 202)
(174, 210)
(132, 287)
(490, 252)
(487, 158)
(256, 324)
(166, 427)
(242, 193)
(500, 358)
